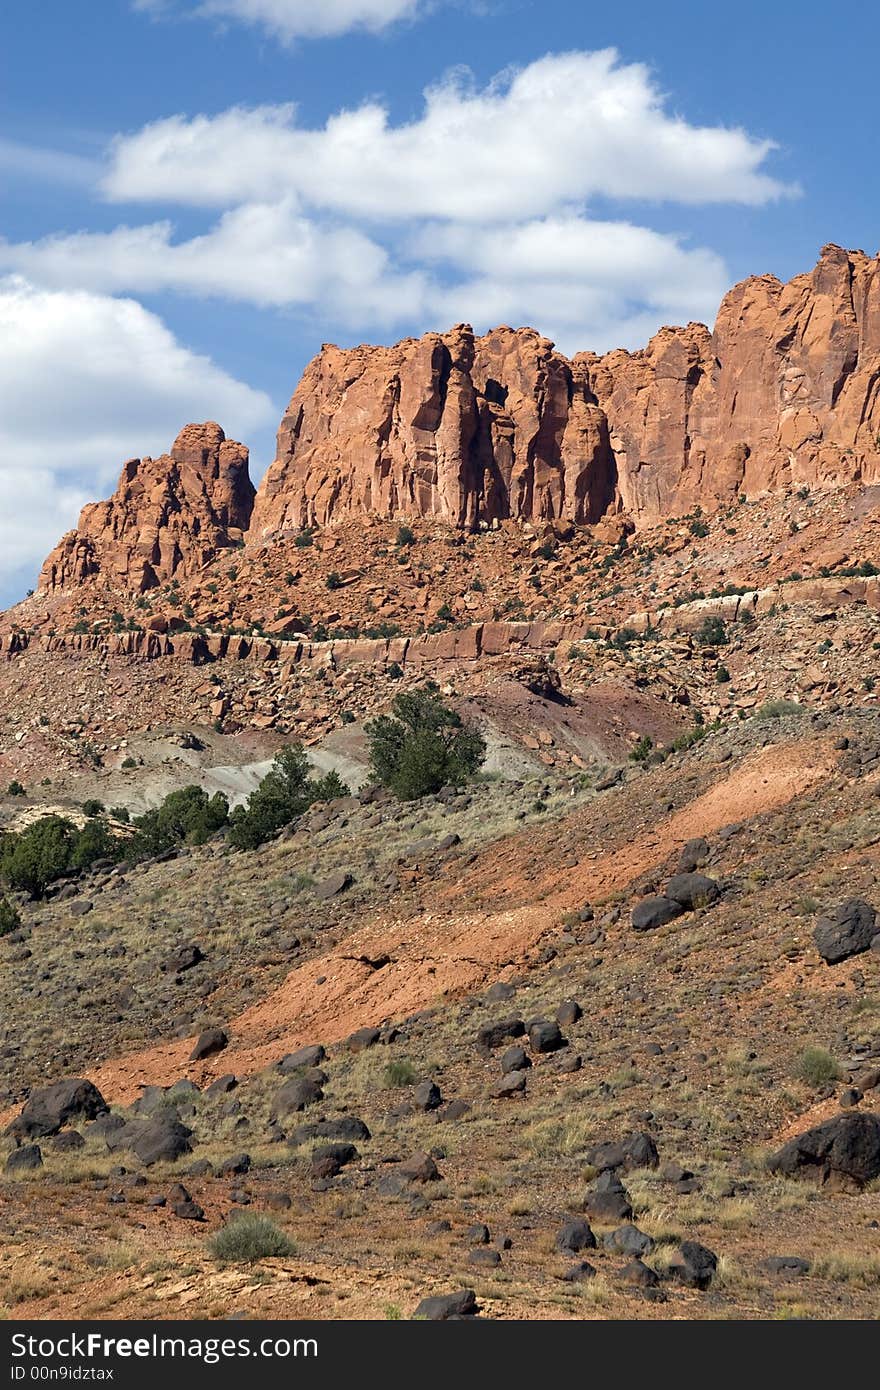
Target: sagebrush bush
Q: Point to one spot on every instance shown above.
(248, 1237)
(777, 709)
(817, 1067)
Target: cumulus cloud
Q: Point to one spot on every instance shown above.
(86, 382)
(296, 19)
(560, 131)
(262, 254)
(587, 284)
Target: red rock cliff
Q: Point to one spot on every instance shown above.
(168, 515)
(783, 392)
(452, 426)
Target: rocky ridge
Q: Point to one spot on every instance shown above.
(475, 431)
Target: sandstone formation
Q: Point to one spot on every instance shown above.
(477, 430)
(168, 515)
(452, 426)
(786, 391)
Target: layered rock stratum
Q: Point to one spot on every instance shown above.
(472, 431)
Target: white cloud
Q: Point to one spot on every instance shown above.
(261, 254)
(562, 130)
(86, 382)
(297, 19)
(587, 284)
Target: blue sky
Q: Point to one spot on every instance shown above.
(197, 193)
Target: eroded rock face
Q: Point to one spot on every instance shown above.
(461, 428)
(784, 392)
(168, 516)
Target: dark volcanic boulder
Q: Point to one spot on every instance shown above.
(162, 1140)
(845, 932)
(427, 1096)
(692, 890)
(51, 1107)
(347, 1128)
(304, 1057)
(693, 1265)
(655, 912)
(638, 1151)
(295, 1095)
(575, 1236)
(494, 1034)
(24, 1160)
(446, 1306)
(513, 1084)
(692, 855)
(545, 1036)
(211, 1041)
(847, 1145)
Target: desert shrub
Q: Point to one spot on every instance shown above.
(284, 793)
(817, 1067)
(129, 762)
(400, 1072)
(405, 536)
(92, 807)
(15, 789)
(334, 580)
(120, 813)
(422, 745)
(712, 633)
(248, 1237)
(188, 816)
(777, 709)
(642, 749)
(722, 675)
(10, 920)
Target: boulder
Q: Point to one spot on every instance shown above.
(846, 931)
(693, 1265)
(310, 1056)
(655, 912)
(51, 1107)
(448, 1306)
(846, 1146)
(575, 1236)
(692, 890)
(208, 1043)
(296, 1094)
(513, 1084)
(492, 1035)
(24, 1160)
(545, 1036)
(162, 1140)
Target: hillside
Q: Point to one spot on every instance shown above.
(554, 1034)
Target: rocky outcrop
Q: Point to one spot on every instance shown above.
(784, 392)
(477, 430)
(168, 516)
(451, 426)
